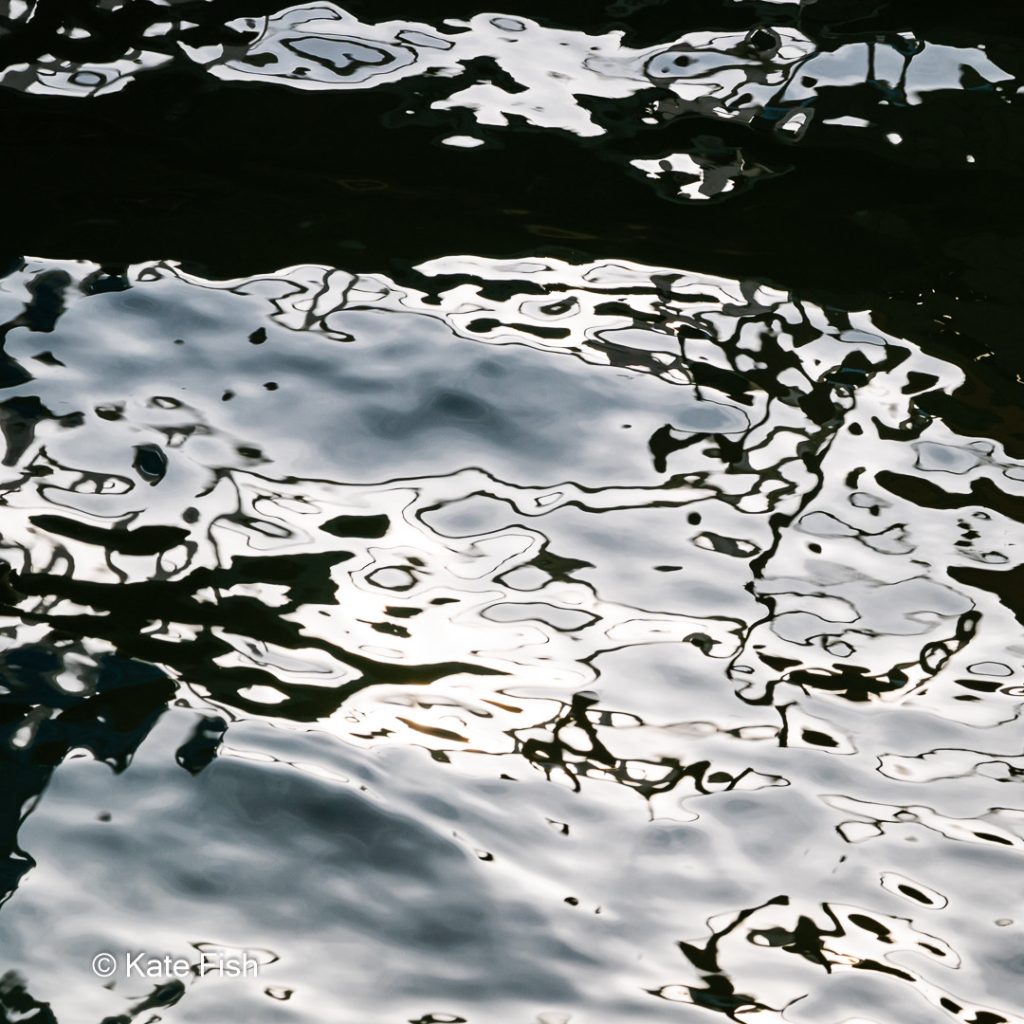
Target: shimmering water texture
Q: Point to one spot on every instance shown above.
(525, 641)
(483, 619)
(474, 78)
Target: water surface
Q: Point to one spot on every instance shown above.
(496, 529)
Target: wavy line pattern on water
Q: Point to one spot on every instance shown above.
(582, 640)
(475, 78)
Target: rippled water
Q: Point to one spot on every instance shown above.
(511, 518)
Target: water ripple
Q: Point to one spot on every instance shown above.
(546, 613)
(785, 75)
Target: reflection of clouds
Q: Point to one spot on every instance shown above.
(760, 486)
(506, 72)
(588, 613)
(324, 47)
(768, 73)
(674, 543)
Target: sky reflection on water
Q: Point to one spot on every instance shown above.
(414, 577)
(550, 613)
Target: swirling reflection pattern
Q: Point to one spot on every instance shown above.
(475, 78)
(692, 550)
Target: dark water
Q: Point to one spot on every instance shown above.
(512, 516)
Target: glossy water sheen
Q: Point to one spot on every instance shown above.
(504, 622)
